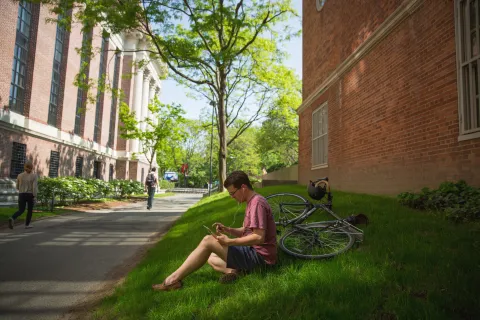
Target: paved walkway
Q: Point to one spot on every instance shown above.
(66, 260)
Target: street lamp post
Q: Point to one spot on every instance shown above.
(212, 103)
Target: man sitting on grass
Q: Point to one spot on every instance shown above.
(255, 244)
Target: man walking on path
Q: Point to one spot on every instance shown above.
(151, 186)
(27, 188)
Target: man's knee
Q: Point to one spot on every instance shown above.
(208, 240)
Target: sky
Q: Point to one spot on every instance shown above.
(171, 92)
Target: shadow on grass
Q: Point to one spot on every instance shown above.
(411, 265)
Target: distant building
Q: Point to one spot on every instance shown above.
(46, 118)
(390, 94)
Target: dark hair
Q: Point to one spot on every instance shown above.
(154, 169)
(237, 178)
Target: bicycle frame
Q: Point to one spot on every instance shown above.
(336, 223)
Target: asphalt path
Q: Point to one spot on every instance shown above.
(69, 260)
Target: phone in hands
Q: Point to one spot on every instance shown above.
(210, 231)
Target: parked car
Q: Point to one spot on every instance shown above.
(171, 176)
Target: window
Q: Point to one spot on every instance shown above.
(110, 173)
(113, 109)
(97, 168)
(19, 155)
(81, 94)
(79, 167)
(54, 161)
(320, 136)
(320, 4)
(20, 57)
(55, 87)
(101, 80)
(468, 53)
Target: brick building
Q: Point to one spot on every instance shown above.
(390, 94)
(45, 118)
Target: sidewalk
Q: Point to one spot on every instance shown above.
(73, 259)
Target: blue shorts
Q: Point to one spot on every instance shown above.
(243, 258)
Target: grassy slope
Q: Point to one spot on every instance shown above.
(412, 265)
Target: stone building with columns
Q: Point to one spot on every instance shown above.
(45, 118)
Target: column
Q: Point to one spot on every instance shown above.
(151, 95)
(137, 104)
(155, 91)
(145, 95)
(144, 106)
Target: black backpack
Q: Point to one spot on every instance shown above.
(150, 180)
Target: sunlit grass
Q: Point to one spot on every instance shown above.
(412, 265)
(6, 213)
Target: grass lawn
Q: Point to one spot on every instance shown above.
(6, 213)
(412, 265)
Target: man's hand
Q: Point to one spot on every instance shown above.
(219, 227)
(223, 239)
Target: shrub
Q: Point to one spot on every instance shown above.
(102, 189)
(457, 200)
(77, 189)
(124, 188)
(165, 184)
(276, 167)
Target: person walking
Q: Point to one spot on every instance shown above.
(27, 188)
(151, 186)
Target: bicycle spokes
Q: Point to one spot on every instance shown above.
(316, 242)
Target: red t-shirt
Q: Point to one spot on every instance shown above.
(258, 215)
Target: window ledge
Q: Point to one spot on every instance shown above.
(319, 166)
(469, 136)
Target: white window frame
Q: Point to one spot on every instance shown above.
(320, 133)
(468, 73)
(320, 4)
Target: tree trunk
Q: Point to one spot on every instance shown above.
(222, 133)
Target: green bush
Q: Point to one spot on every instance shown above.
(458, 200)
(65, 189)
(165, 184)
(102, 189)
(124, 188)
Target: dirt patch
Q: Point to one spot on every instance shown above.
(102, 205)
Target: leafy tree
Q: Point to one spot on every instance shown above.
(277, 139)
(227, 49)
(194, 149)
(244, 154)
(162, 127)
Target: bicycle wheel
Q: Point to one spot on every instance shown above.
(287, 207)
(316, 241)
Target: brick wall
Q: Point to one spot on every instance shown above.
(38, 151)
(122, 169)
(42, 73)
(8, 22)
(133, 170)
(71, 91)
(393, 118)
(37, 101)
(328, 39)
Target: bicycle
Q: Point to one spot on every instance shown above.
(316, 240)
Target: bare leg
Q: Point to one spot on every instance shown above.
(198, 258)
(219, 265)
